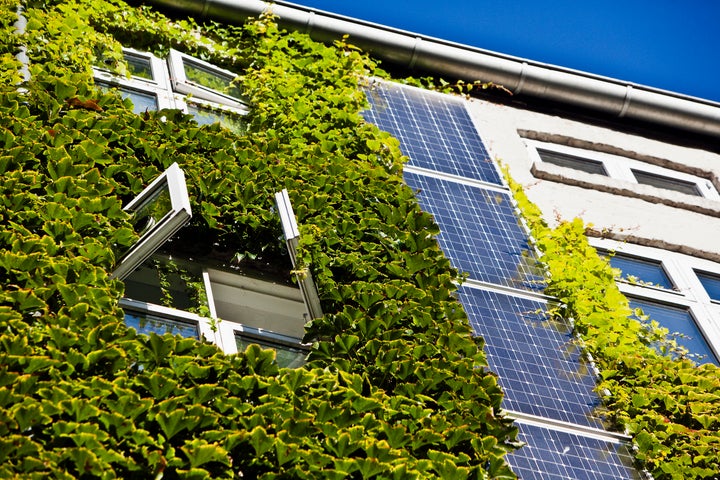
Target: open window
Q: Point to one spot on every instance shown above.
(157, 213)
(292, 238)
(203, 80)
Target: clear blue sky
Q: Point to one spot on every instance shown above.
(672, 45)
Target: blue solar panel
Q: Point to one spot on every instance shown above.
(554, 455)
(479, 232)
(537, 363)
(434, 130)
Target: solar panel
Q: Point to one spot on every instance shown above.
(434, 130)
(537, 362)
(554, 455)
(479, 231)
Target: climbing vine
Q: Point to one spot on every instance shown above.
(669, 405)
(395, 385)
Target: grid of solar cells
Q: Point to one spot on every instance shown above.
(555, 455)
(537, 363)
(435, 131)
(479, 231)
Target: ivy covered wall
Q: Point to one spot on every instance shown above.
(395, 386)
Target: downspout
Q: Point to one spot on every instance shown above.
(522, 77)
(21, 56)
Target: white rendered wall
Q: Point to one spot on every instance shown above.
(646, 221)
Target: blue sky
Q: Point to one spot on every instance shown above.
(664, 44)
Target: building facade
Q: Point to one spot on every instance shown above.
(252, 225)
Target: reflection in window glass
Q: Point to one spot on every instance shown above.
(643, 270)
(142, 102)
(571, 161)
(667, 183)
(204, 116)
(168, 283)
(210, 78)
(139, 66)
(678, 320)
(152, 211)
(146, 324)
(711, 283)
(285, 356)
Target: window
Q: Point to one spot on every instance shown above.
(183, 82)
(670, 288)
(681, 325)
(668, 183)
(231, 308)
(287, 356)
(571, 161)
(644, 271)
(620, 170)
(203, 298)
(157, 213)
(711, 284)
(201, 79)
(292, 237)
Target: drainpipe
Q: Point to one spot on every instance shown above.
(522, 77)
(20, 26)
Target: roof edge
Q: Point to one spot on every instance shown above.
(622, 100)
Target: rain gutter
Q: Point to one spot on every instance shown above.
(451, 60)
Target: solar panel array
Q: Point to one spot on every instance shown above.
(537, 361)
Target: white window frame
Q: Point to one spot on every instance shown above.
(292, 238)
(222, 331)
(689, 293)
(158, 86)
(181, 84)
(172, 180)
(169, 91)
(618, 168)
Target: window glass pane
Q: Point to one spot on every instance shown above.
(668, 183)
(139, 66)
(571, 161)
(678, 320)
(286, 356)
(168, 283)
(641, 270)
(205, 116)
(209, 78)
(711, 283)
(146, 323)
(152, 211)
(142, 102)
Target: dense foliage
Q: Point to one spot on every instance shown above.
(396, 387)
(667, 403)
